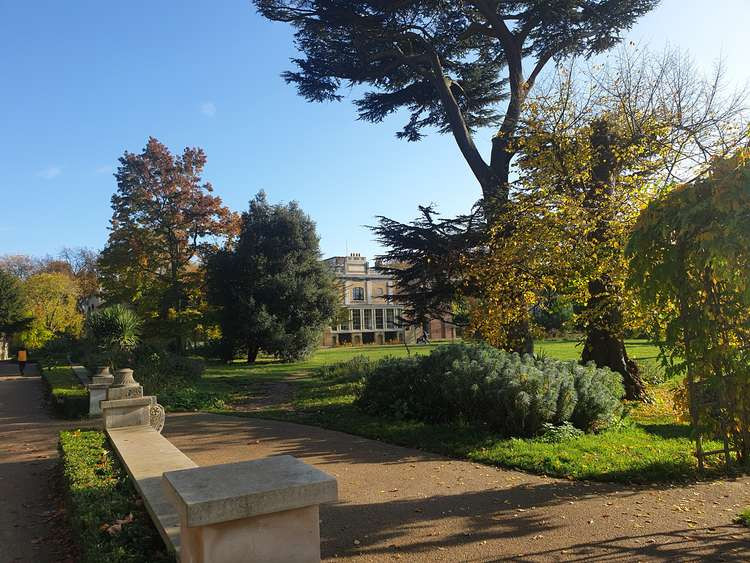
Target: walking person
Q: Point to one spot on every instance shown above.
(22, 357)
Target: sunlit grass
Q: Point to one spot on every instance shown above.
(650, 444)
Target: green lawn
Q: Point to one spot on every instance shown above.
(567, 349)
(269, 368)
(650, 444)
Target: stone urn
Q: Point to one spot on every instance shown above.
(124, 378)
(103, 376)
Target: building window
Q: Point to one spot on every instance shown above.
(378, 319)
(346, 323)
(358, 294)
(389, 319)
(356, 319)
(368, 319)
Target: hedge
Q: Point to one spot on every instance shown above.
(70, 399)
(109, 521)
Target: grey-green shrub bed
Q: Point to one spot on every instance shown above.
(107, 516)
(510, 394)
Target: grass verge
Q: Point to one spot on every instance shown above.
(106, 514)
(651, 444)
(69, 398)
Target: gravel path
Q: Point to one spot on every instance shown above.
(32, 523)
(398, 503)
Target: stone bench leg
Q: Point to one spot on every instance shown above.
(291, 536)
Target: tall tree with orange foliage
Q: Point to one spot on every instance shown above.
(165, 219)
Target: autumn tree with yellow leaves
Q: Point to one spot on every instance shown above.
(594, 153)
(689, 259)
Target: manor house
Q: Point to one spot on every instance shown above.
(369, 317)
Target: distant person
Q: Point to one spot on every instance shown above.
(22, 357)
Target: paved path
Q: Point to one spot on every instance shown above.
(398, 503)
(30, 515)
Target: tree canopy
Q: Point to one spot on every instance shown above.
(456, 67)
(18, 265)
(449, 65)
(689, 260)
(590, 157)
(271, 288)
(12, 305)
(52, 302)
(164, 220)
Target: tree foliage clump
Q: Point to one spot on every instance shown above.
(511, 394)
(271, 289)
(12, 303)
(454, 67)
(165, 220)
(449, 65)
(589, 159)
(52, 304)
(689, 261)
(13, 315)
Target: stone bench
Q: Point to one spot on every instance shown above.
(263, 510)
(266, 510)
(147, 455)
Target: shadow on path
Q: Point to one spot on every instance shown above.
(30, 515)
(402, 503)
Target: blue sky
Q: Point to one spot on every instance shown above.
(82, 81)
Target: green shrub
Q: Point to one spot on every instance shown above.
(352, 370)
(599, 392)
(106, 514)
(69, 398)
(158, 370)
(182, 398)
(478, 384)
(59, 351)
(651, 373)
(552, 434)
(390, 389)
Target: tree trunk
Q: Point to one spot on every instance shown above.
(252, 351)
(604, 342)
(495, 199)
(605, 347)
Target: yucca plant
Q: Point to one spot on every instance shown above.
(114, 332)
